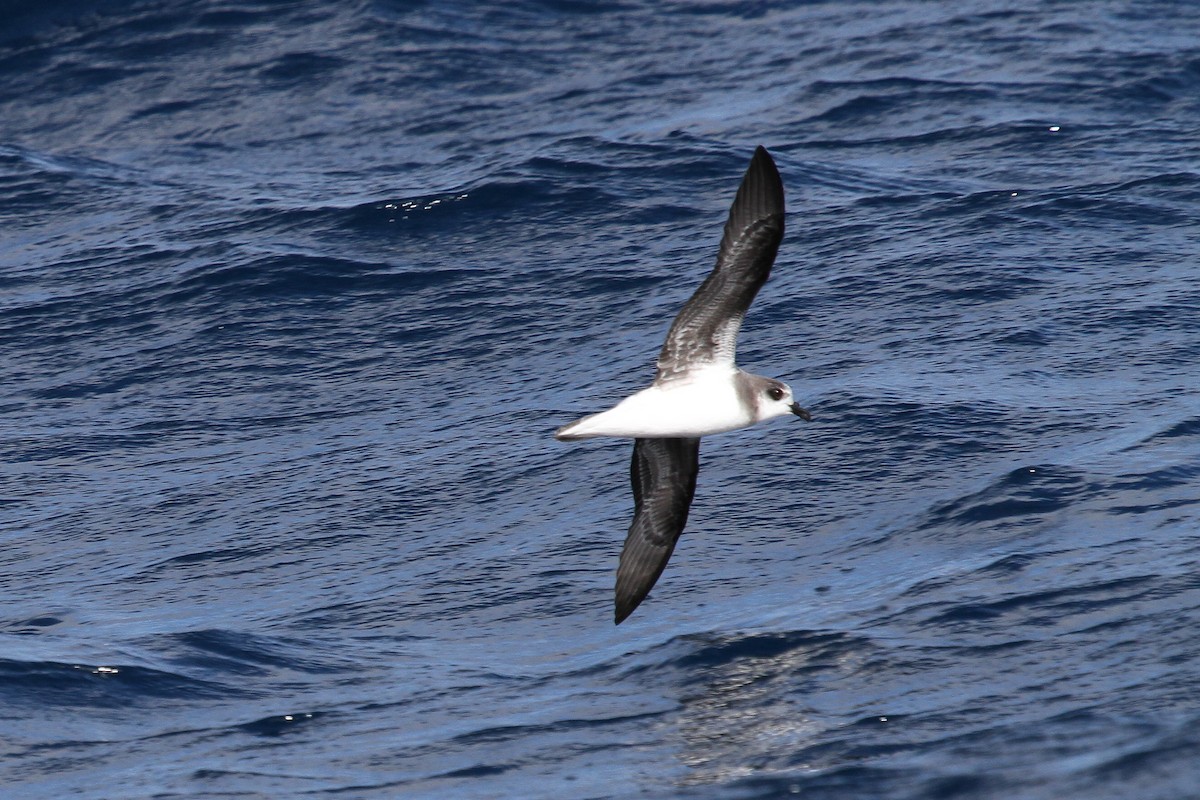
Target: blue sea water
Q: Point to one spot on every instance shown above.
(293, 294)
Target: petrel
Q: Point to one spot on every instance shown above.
(697, 388)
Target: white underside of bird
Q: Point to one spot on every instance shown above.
(704, 402)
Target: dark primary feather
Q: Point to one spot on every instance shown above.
(706, 329)
(663, 474)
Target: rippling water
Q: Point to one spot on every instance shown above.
(292, 296)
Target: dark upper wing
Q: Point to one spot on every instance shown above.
(663, 474)
(706, 329)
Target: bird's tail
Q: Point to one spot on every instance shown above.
(576, 430)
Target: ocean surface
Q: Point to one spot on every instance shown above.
(294, 294)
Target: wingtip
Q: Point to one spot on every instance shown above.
(625, 605)
(761, 191)
(636, 574)
(761, 155)
(627, 599)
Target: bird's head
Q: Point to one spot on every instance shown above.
(774, 399)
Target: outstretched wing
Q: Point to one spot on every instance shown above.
(706, 329)
(663, 474)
